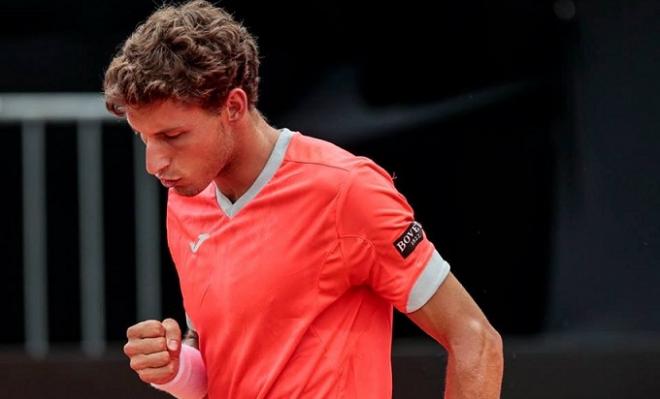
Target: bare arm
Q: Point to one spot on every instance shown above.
(475, 364)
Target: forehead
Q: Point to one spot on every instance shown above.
(162, 115)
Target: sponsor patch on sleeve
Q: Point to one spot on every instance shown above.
(408, 241)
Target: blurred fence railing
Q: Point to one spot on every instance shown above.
(33, 112)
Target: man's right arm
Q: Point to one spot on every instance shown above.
(475, 364)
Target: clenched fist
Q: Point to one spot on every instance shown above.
(154, 349)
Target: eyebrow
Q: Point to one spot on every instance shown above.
(163, 131)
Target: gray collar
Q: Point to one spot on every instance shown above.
(273, 163)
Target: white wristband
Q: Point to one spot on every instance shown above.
(190, 380)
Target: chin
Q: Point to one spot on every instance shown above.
(188, 191)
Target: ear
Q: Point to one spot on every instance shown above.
(237, 104)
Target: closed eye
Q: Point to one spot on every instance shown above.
(173, 134)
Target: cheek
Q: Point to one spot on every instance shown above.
(210, 157)
(207, 154)
(222, 145)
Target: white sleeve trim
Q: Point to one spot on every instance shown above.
(434, 273)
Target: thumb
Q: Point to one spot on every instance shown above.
(172, 336)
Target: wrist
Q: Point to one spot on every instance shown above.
(190, 380)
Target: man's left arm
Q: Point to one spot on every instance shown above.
(475, 361)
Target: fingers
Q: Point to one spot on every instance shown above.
(145, 346)
(146, 329)
(159, 375)
(173, 336)
(152, 360)
(153, 348)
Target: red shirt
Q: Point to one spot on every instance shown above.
(291, 287)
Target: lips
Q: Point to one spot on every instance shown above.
(169, 183)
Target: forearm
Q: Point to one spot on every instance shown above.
(475, 371)
(475, 364)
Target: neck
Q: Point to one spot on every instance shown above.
(254, 140)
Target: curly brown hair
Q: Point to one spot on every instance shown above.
(194, 53)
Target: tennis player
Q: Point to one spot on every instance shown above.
(291, 252)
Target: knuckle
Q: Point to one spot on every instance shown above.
(144, 377)
(128, 349)
(154, 327)
(133, 349)
(163, 358)
(134, 330)
(161, 343)
(145, 329)
(135, 364)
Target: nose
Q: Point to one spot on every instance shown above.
(155, 158)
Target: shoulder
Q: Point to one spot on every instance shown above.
(307, 150)
(312, 152)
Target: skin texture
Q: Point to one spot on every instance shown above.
(187, 146)
(153, 348)
(475, 360)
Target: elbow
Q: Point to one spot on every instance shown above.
(490, 343)
(495, 346)
(478, 345)
(492, 338)
(475, 364)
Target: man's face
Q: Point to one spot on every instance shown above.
(186, 145)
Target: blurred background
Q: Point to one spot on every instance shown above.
(524, 133)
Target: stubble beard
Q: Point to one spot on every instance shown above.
(188, 191)
(224, 155)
